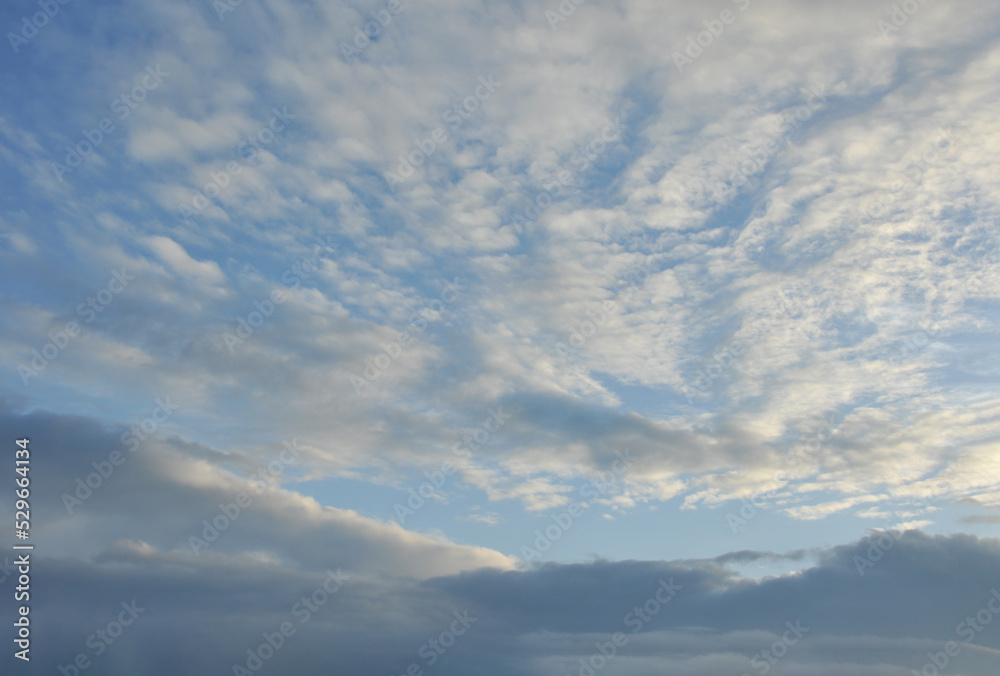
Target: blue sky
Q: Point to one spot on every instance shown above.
(494, 246)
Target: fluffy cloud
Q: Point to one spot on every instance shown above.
(759, 254)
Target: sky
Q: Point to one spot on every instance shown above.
(572, 338)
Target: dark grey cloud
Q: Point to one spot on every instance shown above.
(982, 518)
(882, 623)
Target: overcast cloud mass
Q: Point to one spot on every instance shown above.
(418, 337)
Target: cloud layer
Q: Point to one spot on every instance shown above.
(291, 265)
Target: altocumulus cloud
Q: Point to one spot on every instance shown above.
(796, 227)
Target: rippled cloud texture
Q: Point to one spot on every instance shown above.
(423, 337)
